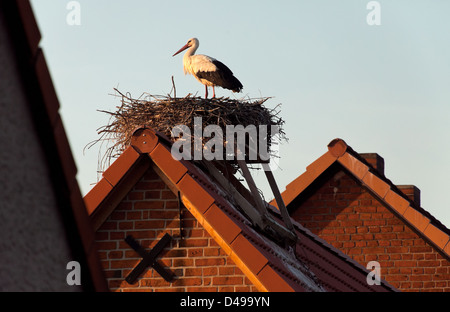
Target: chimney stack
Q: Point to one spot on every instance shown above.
(412, 192)
(375, 160)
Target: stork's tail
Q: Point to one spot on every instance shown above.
(236, 85)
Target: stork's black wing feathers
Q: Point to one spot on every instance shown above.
(222, 77)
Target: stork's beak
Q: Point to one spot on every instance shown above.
(182, 49)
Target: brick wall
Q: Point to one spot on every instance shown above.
(351, 219)
(149, 211)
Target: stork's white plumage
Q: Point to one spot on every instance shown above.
(208, 70)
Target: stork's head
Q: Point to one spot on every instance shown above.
(193, 42)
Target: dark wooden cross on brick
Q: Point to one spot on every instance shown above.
(149, 259)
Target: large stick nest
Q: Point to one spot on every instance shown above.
(163, 113)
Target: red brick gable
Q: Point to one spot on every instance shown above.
(346, 201)
(149, 211)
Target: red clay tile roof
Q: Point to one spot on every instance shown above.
(44, 108)
(314, 265)
(339, 152)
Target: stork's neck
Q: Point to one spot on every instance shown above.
(191, 51)
(187, 58)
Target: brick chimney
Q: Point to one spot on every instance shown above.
(412, 192)
(375, 161)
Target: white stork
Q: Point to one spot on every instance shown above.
(208, 70)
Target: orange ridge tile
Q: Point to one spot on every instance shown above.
(397, 202)
(273, 281)
(226, 228)
(96, 195)
(294, 188)
(197, 195)
(322, 163)
(436, 235)
(249, 254)
(171, 167)
(377, 185)
(416, 219)
(120, 166)
(352, 164)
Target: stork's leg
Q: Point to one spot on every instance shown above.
(206, 91)
(214, 92)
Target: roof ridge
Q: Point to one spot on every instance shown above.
(383, 188)
(395, 187)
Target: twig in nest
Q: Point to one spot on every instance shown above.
(174, 89)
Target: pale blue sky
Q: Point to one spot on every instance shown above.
(382, 89)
